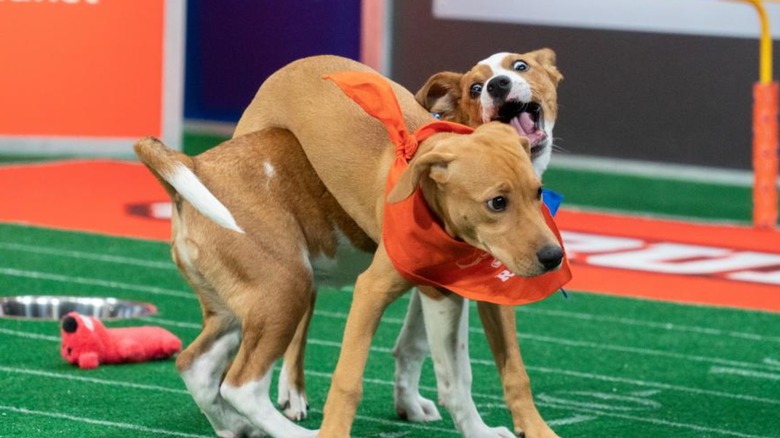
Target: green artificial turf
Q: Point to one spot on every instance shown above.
(600, 366)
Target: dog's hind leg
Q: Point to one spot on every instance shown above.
(410, 351)
(446, 322)
(292, 387)
(268, 325)
(501, 332)
(202, 365)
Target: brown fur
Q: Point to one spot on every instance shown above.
(447, 93)
(342, 143)
(331, 162)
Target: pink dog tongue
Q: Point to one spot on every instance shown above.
(524, 125)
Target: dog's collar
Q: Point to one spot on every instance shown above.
(419, 248)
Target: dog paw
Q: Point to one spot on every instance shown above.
(228, 423)
(417, 409)
(294, 406)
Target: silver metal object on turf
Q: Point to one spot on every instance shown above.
(55, 307)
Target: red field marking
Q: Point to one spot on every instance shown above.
(731, 266)
(714, 288)
(83, 196)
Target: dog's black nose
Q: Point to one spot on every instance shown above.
(550, 256)
(499, 87)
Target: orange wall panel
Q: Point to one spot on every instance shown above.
(81, 68)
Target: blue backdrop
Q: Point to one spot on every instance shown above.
(233, 45)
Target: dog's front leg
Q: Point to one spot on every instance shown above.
(375, 289)
(411, 349)
(446, 322)
(501, 332)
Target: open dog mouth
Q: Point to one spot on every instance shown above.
(527, 120)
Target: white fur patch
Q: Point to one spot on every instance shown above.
(252, 399)
(269, 169)
(292, 401)
(192, 189)
(521, 89)
(446, 323)
(494, 60)
(410, 351)
(202, 381)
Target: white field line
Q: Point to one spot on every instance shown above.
(545, 370)
(560, 313)
(645, 419)
(52, 375)
(571, 420)
(642, 351)
(29, 335)
(37, 275)
(388, 383)
(651, 384)
(64, 376)
(583, 414)
(651, 324)
(127, 426)
(328, 376)
(490, 363)
(593, 345)
(120, 260)
(745, 373)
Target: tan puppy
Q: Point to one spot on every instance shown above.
(336, 138)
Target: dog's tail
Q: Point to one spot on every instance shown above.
(174, 171)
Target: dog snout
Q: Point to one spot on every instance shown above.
(499, 86)
(550, 257)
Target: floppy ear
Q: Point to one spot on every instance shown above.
(441, 93)
(433, 164)
(546, 57)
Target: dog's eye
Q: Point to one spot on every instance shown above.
(539, 194)
(476, 91)
(497, 204)
(520, 66)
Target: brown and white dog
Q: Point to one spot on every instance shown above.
(519, 89)
(286, 193)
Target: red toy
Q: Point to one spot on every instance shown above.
(86, 342)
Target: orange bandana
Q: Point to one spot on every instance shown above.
(417, 245)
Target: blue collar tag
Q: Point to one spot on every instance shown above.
(552, 200)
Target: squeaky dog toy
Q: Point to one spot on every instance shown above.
(86, 342)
